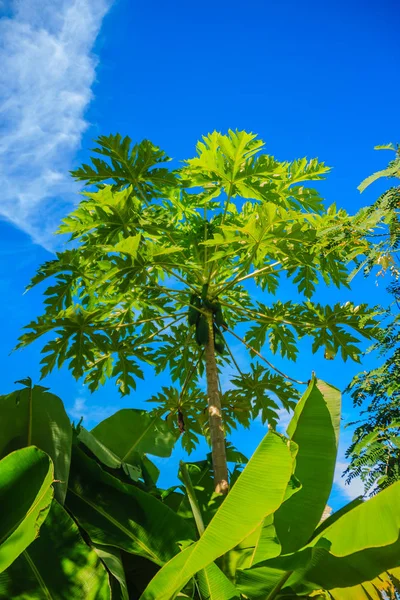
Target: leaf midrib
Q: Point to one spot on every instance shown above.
(118, 525)
(139, 439)
(38, 500)
(38, 576)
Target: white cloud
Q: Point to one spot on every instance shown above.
(47, 70)
(91, 413)
(352, 490)
(284, 419)
(356, 487)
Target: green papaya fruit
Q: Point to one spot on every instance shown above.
(219, 342)
(204, 291)
(193, 314)
(219, 318)
(211, 305)
(202, 331)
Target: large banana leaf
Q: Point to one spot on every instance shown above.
(380, 588)
(121, 515)
(214, 585)
(26, 493)
(257, 493)
(130, 432)
(143, 468)
(32, 416)
(315, 429)
(360, 545)
(111, 557)
(138, 572)
(58, 565)
(356, 548)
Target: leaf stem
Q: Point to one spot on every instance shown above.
(189, 376)
(241, 278)
(120, 325)
(150, 337)
(264, 359)
(29, 440)
(228, 198)
(274, 592)
(233, 358)
(191, 494)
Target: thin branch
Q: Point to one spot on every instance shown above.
(265, 319)
(180, 279)
(264, 359)
(189, 376)
(162, 317)
(233, 358)
(254, 253)
(240, 278)
(172, 298)
(228, 198)
(160, 330)
(205, 239)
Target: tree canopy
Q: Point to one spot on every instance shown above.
(159, 269)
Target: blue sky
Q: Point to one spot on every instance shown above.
(310, 79)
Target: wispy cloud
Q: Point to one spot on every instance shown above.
(352, 490)
(356, 487)
(284, 419)
(89, 412)
(47, 70)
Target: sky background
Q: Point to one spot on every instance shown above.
(310, 79)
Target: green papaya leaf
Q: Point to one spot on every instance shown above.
(257, 493)
(58, 565)
(315, 429)
(121, 515)
(33, 416)
(26, 492)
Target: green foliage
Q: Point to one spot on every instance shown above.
(315, 429)
(233, 520)
(324, 562)
(125, 539)
(57, 565)
(104, 507)
(154, 251)
(385, 211)
(26, 478)
(113, 504)
(375, 451)
(33, 416)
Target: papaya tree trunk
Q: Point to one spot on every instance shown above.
(217, 434)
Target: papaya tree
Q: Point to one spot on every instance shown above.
(166, 267)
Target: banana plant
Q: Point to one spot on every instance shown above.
(266, 541)
(107, 518)
(158, 275)
(120, 538)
